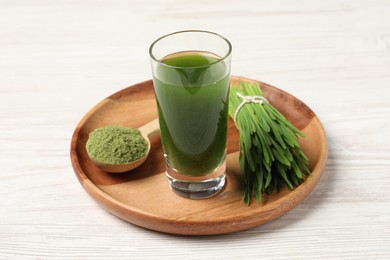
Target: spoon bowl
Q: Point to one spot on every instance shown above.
(148, 131)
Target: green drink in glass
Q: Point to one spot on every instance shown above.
(191, 75)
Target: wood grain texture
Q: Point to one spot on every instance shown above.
(59, 58)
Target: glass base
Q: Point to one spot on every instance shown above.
(197, 187)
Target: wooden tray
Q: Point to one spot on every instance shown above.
(142, 196)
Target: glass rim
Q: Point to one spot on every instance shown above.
(190, 31)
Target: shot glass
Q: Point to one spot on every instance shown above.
(191, 76)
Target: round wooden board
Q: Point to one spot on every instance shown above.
(142, 196)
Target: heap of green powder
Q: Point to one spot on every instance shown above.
(116, 144)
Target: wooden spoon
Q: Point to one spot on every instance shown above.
(148, 131)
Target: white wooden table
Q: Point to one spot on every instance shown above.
(59, 58)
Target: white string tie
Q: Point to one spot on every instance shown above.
(248, 99)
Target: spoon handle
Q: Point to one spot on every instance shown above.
(151, 129)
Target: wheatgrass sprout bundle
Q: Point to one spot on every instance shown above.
(270, 155)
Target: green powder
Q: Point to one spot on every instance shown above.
(116, 144)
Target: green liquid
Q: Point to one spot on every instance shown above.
(192, 98)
